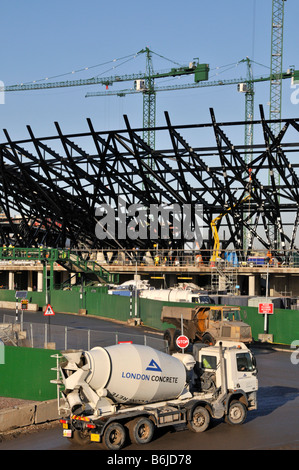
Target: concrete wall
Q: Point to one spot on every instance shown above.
(28, 414)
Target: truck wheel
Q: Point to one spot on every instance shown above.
(208, 339)
(141, 430)
(177, 333)
(169, 337)
(82, 438)
(114, 436)
(199, 420)
(237, 413)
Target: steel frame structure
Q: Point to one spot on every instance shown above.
(54, 184)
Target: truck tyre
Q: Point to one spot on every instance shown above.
(199, 420)
(208, 339)
(237, 413)
(141, 430)
(114, 436)
(177, 333)
(169, 337)
(82, 438)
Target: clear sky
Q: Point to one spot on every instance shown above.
(47, 39)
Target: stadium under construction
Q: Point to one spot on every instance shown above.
(52, 188)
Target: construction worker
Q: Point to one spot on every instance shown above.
(269, 258)
(198, 259)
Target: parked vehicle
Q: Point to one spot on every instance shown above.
(207, 324)
(177, 295)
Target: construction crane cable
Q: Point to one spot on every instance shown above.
(84, 69)
(115, 66)
(169, 60)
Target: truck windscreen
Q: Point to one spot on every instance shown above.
(244, 362)
(231, 315)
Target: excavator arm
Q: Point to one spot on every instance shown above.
(216, 247)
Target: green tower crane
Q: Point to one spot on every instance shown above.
(248, 88)
(277, 26)
(276, 63)
(149, 103)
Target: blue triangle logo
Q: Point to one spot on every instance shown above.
(153, 366)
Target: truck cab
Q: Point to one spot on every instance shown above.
(223, 322)
(233, 369)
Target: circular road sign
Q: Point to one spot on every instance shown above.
(182, 341)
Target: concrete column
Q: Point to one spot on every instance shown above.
(11, 280)
(251, 284)
(39, 281)
(101, 258)
(29, 281)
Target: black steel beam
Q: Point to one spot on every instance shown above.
(54, 184)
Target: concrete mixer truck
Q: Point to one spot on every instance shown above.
(127, 390)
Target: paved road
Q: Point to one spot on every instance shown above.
(103, 332)
(273, 426)
(77, 321)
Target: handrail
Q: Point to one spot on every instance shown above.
(100, 260)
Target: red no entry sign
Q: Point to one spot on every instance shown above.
(182, 341)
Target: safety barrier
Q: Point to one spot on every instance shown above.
(95, 260)
(47, 335)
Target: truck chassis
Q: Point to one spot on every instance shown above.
(139, 423)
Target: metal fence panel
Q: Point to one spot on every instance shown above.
(44, 335)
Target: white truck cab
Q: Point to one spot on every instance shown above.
(237, 374)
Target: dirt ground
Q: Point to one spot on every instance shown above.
(6, 403)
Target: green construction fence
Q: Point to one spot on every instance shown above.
(26, 373)
(283, 324)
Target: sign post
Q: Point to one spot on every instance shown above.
(20, 295)
(266, 308)
(48, 313)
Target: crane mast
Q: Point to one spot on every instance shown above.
(276, 93)
(276, 63)
(149, 106)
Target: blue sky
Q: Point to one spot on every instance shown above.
(45, 39)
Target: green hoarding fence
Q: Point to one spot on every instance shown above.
(283, 324)
(26, 374)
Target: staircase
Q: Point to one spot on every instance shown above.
(74, 263)
(71, 261)
(224, 278)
